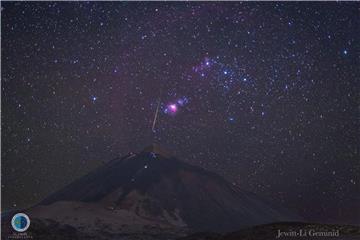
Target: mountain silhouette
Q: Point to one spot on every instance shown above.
(154, 185)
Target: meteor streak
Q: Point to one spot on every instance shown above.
(155, 116)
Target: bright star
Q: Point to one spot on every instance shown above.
(180, 101)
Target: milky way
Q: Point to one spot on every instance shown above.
(264, 94)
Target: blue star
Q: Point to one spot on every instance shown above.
(225, 72)
(93, 98)
(345, 52)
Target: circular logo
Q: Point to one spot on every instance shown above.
(20, 222)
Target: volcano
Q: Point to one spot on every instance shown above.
(154, 190)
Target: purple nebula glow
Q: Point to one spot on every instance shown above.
(173, 108)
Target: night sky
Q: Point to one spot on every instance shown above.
(264, 94)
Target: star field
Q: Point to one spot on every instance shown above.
(264, 94)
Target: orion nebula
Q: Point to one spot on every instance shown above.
(173, 108)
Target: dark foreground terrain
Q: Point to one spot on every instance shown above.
(270, 231)
(52, 230)
(151, 195)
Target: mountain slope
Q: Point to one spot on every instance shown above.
(155, 186)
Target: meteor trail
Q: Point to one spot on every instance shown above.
(156, 114)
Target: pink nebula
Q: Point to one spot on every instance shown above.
(173, 108)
